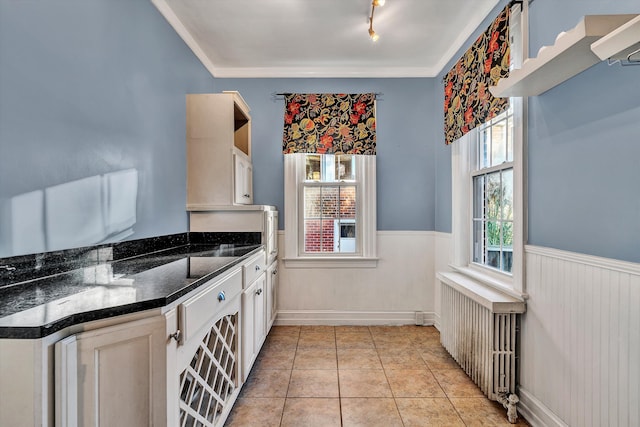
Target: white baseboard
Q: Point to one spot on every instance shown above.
(365, 318)
(436, 321)
(535, 412)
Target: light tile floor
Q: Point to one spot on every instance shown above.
(360, 376)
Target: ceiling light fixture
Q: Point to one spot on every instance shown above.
(374, 4)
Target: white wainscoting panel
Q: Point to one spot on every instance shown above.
(391, 293)
(580, 341)
(443, 257)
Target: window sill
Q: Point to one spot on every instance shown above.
(330, 262)
(491, 280)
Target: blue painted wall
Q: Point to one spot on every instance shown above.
(405, 162)
(584, 148)
(89, 88)
(92, 87)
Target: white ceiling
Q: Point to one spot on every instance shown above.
(324, 38)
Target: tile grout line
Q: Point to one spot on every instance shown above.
(289, 383)
(335, 337)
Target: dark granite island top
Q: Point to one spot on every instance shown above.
(39, 307)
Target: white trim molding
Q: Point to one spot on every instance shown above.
(173, 20)
(591, 260)
(365, 318)
(535, 412)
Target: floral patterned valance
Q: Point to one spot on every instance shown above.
(467, 100)
(329, 123)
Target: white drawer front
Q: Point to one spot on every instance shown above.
(199, 310)
(253, 268)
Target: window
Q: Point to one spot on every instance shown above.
(492, 186)
(329, 204)
(330, 209)
(488, 231)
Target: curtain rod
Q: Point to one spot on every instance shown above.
(282, 95)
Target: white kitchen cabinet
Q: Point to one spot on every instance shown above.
(253, 311)
(272, 295)
(219, 169)
(243, 179)
(119, 378)
(177, 367)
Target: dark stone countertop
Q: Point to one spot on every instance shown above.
(36, 308)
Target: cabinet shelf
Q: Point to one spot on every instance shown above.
(568, 56)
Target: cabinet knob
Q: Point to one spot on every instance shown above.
(246, 195)
(257, 268)
(259, 291)
(177, 335)
(221, 296)
(274, 272)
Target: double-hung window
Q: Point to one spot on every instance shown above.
(488, 186)
(330, 216)
(329, 205)
(492, 187)
(329, 147)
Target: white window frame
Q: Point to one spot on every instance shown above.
(464, 162)
(478, 170)
(294, 183)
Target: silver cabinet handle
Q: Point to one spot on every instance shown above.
(177, 335)
(257, 268)
(259, 291)
(221, 296)
(246, 195)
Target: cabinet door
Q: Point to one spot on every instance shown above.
(272, 295)
(121, 374)
(243, 180)
(248, 354)
(271, 231)
(253, 323)
(259, 316)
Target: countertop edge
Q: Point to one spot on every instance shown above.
(42, 331)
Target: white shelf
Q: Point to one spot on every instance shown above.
(619, 43)
(569, 55)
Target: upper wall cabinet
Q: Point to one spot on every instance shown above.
(219, 171)
(570, 54)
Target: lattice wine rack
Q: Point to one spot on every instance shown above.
(208, 383)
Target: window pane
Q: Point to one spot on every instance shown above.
(345, 168)
(510, 139)
(507, 235)
(478, 197)
(484, 145)
(348, 202)
(478, 242)
(330, 218)
(507, 194)
(492, 249)
(493, 195)
(312, 202)
(313, 167)
(507, 260)
(492, 235)
(345, 236)
(498, 143)
(318, 235)
(330, 202)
